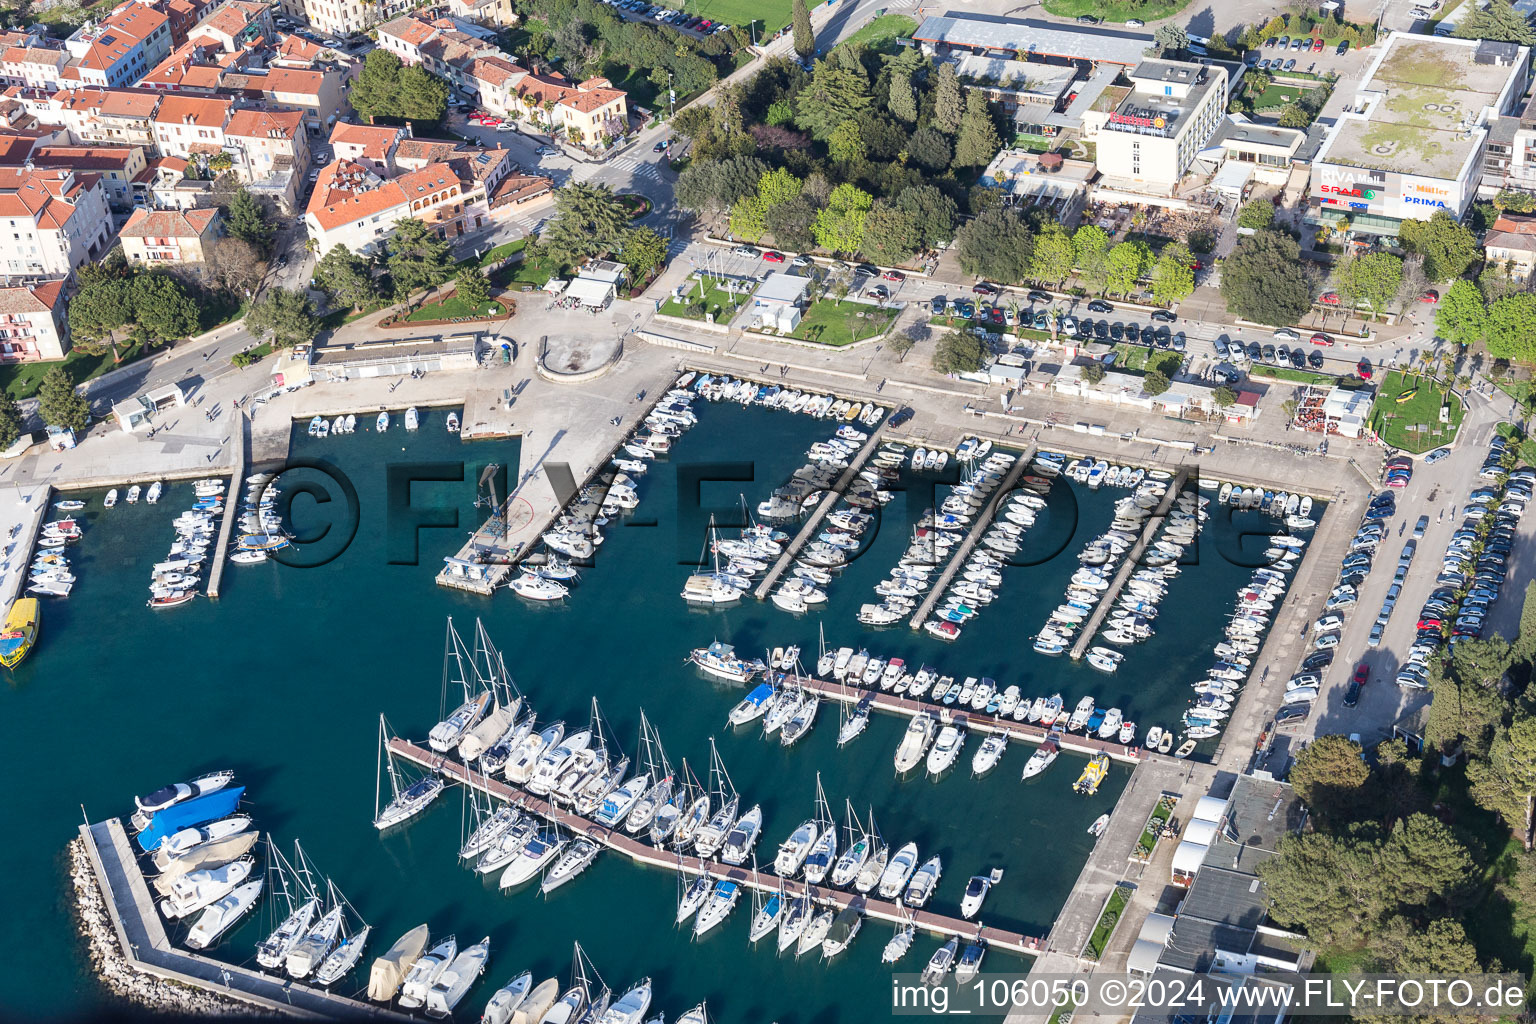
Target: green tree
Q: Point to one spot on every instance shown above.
(1126, 263)
(977, 142)
(1375, 278)
(589, 221)
(643, 251)
(1462, 315)
(1523, 649)
(838, 92)
(346, 278)
(1512, 327)
(245, 219)
(162, 308)
(1173, 275)
(846, 144)
(1328, 885)
(1448, 246)
(1170, 38)
(995, 245)
(422, 96)
(957, 352)
(1263, 280)
(1224, 397)
(929, 149)
(948, 104)
(1090, 247)
(790, 224)
(1330, 776)
(805, 37)
(1054, 255)
(1440, 946)
(386, 88)
(932, 213)
(1093, 372)
(840, 227)
(890, 234)
(1257, 214)
(102, 305)
(1505, 781)
(59, 404)
(780, 112)
(418, 258)
(472, 288)
(1467, 706)
(289, 316)
(1426, 867)
(1155, 383)
(1294, 115)
(1497, 20)
(901, 98)
(709, 186)
(10, 420)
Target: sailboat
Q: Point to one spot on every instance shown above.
(767, 910)
(717, 907)
(691, 893)
(450, 730)
(852, 719)
(654, 758)
(293, 895)
(407, 802)
(853, 857)
(315, 947)
(713, 588)
(709, 835)
(900, 942)
(670, 815)
(844, 927)
(822, 847)
(579, 1001)
(874, 865)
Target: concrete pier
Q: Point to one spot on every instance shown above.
(147, 948)
(1132, 561)
(983, 521)
(764, 881)
(29, 510)
(813, 524)
(231, 502)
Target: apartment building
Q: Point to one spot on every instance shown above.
(158, 237)
(191, 126)
(368, 145)
(354, 207)
(1148, 141)
(34, 67)
(51, 221)
(122, 47)
(117, 167)
(33, 326)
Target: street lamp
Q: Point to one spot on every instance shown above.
(671, 98)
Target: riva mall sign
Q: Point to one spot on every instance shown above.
(1389, 193)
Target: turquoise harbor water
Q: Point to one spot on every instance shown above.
(284, 677)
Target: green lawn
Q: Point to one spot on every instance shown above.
(1395, 422)
(827, 323)
(21, 380)
(1155, 822)
(1115, 10)
(1107, 922)
(882, 33)
(453, 306)
(1277, 96)
(1297, 376)
(535, 270)
(501, 252)
(771, 15)
(721, 303)
(1140, 359)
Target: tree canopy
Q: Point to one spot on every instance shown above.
(1263, 280)
(388, 88)
(247, 220)
(346, 278)
(418, 258)
(59, 404)
(288, 315)
(957, 352)
(995, 245)
(1447, 246)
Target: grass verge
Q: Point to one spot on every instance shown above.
(1414, 424)
(723, 304)
(1115, 10)
(827, 323)
(1107, 922)
(22, 380)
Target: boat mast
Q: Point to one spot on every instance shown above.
(303, 875)
(823, 810)
(726, 789)
(448, 651)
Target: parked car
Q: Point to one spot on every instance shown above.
(1363, 369)
(982, 288)
(804, 261)
(1163, 316)
(1134, 23)
(936, 305)
(1343, 48)
(1317, 45)
(662, 146)
(899, 417)
(879, 291)
(745, 250)
(773, 257)
(1290, 65)
(1315, 360)
(1420, 526)
(1431, 297)
(1038, 296)
(894, 275)
(1286, 334)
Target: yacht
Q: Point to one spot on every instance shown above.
(425, 972)
(618, 802)
(499, 853)
(844, 927)
(767, 918)
(989, 753)
(975, 891)
(310, 951)
(537, 588)
(1041, 759)
(717, 907)
(197, 889)
(946, 749)
(572, 862)
(939, 964)
(527, 755)
(794, 850)
(546, 774)
(743, 837)
(898, 872)
(924, 881)
(387, 971)
(510, 997)
(851, 862)
(412, 418)
(914, 743)
(693, 897)
(816, 931)
(752, 706)
(411, 801)
(631, 1006)
(447, 734)
(796, 917)
(720, 660)
(217, 919)
(532, 859)
(823, 853)
(455, 979)
(273, 950)
(1080, 715)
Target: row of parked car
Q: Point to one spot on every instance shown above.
(1474, 565)
(667, 16)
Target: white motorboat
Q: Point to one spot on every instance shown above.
(743, 836)
(111, 499)
(425, 972)
(576, 859)
(133, 494)
(412, 418)
(946, 749)
(510, 998)
(898, 871)
(456, 978)
(975, 891)
(939, 964)
(1041, 759)
(989, 753)
(794, 850)
(218, 918)
(537, 588)
(914, 743)
(197, 889)
(551, 766)
(532, 859)
(630, 1007)
(924, 881)
(153, 494)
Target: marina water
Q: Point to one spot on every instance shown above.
(283, 677)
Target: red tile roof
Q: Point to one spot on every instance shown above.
(37, 298)
(262, 123)
(203, 111)
(47, 197)
(170, 223)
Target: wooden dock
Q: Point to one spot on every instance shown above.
(147, 948)
(644, 853)
(983, 521)
(974, 721)
(814, 523)
(1131, 563)
(231, 502)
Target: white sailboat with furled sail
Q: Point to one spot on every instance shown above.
(653, 759)
(491, 674)
(316, 943)
(900, 942)
(331, 954)
(292, 905)
(459, 677)
(408, 797)
(768, 909)
(587, 997)
(712, 832)
(794, 850)
(685, 792)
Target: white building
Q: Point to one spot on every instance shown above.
(1149, 139)
(121, 48)
(51, 221)
(32, 323)
(1412, 141)
(776, 305)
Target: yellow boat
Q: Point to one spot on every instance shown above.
(1093, 774)
(1407, 396)
(20, 632)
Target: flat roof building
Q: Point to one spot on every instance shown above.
(1043, 41)
(1412, 141)
(1148, 140)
